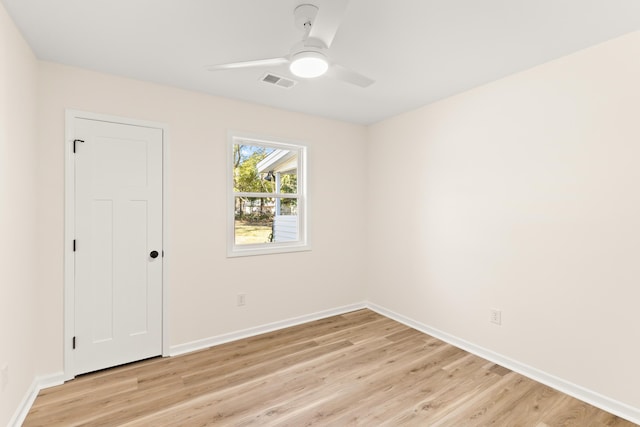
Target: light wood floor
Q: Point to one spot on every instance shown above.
(357, 369)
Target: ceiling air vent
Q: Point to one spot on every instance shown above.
(279, 81)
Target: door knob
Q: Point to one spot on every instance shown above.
(154, 254)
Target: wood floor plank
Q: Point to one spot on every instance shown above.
(571, 412)
(483, 411)
(534, 404)
(138, 405)
(330, 370)
(445, 394)
(394, 391)
(355, 369)
(347, 392)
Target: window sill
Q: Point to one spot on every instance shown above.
(268, 249)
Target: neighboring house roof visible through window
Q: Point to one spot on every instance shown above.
(279, 161)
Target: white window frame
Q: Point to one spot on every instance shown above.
(302, 244)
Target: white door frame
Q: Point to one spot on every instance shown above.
(69, 230)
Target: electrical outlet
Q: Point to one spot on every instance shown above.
(495, 316)
(4, 376)
(242, 299)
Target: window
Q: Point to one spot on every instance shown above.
(267, 202)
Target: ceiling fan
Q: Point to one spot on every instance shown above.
(309, 58)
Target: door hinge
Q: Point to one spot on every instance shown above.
(74, 245)
(73, 343)
(74, 144)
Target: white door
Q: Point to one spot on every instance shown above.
(118, 244)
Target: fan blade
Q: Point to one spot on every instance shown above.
(248, 64)
(349, 76)
(327, 21)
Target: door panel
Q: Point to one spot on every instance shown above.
(118, 211)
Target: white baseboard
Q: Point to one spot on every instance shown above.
(591, 397)
(245, 333)
(39, 383)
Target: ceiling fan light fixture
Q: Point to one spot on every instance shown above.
(309, 64)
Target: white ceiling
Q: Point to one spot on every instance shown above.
(418, 51)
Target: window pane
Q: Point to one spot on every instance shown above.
(286, 206)
(289, 182)
(254, 218)
(248, 176)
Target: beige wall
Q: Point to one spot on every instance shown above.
(18, 202)
(521, 195)
(203, 282)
